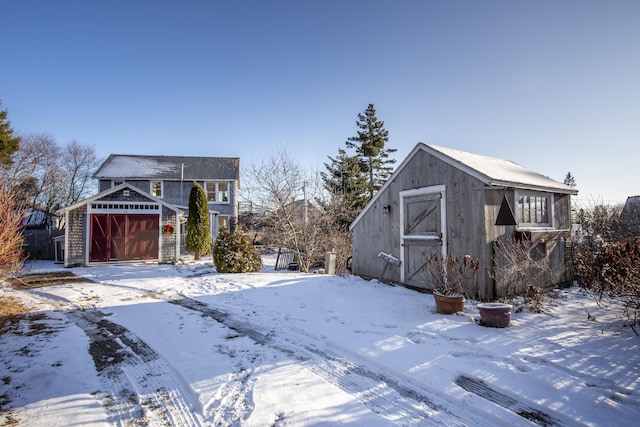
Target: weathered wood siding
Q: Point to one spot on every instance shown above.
(465, 202)
(471, 209)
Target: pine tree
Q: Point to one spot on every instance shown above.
(569, 180)
(370, 147)
(347, 185)
(198, 239)
(9, 143)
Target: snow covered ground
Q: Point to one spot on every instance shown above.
(182, 345)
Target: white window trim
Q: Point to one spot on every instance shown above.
(534, 226)
(218, 192)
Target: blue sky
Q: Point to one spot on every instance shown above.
(551, 85)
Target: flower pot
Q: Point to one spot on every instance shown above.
(495, 314)
(448, 304)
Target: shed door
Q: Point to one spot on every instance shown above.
(422, 228)
(123, 237)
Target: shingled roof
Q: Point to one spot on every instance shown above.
(120, 166)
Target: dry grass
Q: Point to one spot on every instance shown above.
(11, 306)
(40, 280)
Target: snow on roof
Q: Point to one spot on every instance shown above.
(490, 170)
(125, 166)
(500, 172)
(169, 167)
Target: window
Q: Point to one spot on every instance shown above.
(156, 188)
(217, 192)
(534, 210)
(116, 183)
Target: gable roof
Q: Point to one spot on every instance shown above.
(492, 171)
(113, 190)
(121, 166)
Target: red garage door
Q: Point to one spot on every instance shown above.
(123, 237)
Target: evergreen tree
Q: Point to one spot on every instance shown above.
(370, 148)
(9, 143)
(569, 180)
(347, 185)
(198, 239)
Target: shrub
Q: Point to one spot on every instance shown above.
(612, 275)
(11, 214)
(517, 272)
(233, 253)
(451, 275)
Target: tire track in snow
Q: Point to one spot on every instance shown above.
(140, 387)
(391, 396)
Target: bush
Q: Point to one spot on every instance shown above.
(233, 253)
(612, 275)
(11, 215)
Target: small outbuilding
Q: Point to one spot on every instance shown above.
(120, 224)
(444, 201)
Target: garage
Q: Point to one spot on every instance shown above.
(121, 224)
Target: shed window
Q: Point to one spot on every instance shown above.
(534, 210)
(217, 192)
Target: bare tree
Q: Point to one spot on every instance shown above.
(48, 175)
(79, 163)
(290, 202)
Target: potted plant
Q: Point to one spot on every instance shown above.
(495, 314)
(452, 278)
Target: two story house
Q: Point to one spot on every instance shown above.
(142, 206)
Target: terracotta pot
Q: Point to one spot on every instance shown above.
(447, 304)
(495, 314)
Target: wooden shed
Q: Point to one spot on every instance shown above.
(445, 201)
(121, 224)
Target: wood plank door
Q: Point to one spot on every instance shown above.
(117, 237)
(423, 231)
(124, 237)
(99, 238)
(142, 237)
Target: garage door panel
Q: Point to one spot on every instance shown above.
(142, 240)
(98, 249)
(124, 237)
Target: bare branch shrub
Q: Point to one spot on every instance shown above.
(12, 213)
(520, 274)
(612, 275)
(451, 275)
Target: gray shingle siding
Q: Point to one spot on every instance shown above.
(76, 234)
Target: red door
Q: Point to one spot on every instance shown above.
(99, 249)
(122, 237)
